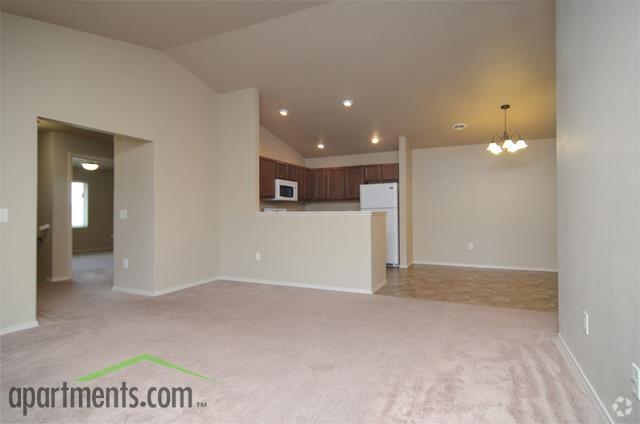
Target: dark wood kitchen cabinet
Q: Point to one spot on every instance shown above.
(300, 180)
(390, 172)
(307, 186)
(336, 186)
(355, 177)
(292, 172)
(267, 178)
(372, 173)
(320, 184)
(281, 170)
(381, 173)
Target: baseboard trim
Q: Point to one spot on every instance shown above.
(378, 286)
(128, 290)
(508, 267)
(18, 327)
(57, 279)
(185, 286)
(294, 284)
(153, 293)
(585, 379)
(97, 249)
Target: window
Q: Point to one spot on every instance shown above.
(79, 204)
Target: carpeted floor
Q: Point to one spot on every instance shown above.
(284, 355)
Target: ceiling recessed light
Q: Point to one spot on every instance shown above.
(347, 102)
(375, 140)
(320, 146)
(459, 126)
(283, 111)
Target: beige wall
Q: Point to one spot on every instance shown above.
(115, 87)
(324, 250)
(505, 205)
(45, 206)
(405, 187)
(55, 150)
(272, 147)
(134, 235)
(98, 235)
(352, 160)
(598, 95)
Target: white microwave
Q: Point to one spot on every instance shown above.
(286, 190)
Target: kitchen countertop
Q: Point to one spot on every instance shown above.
(322, 213)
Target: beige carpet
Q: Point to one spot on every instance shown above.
(283, 355)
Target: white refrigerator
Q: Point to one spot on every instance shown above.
(384, 198)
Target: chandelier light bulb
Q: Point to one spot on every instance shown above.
(521, 144)
(509, 146)
(494, 148)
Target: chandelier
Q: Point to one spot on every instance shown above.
(505, 139)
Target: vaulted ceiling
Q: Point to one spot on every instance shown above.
(412, 68)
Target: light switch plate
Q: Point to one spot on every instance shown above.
(4, 215)
(258, 256)
(125, 263)
(123, 214)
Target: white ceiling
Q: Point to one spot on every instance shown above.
(413, 68)
(155, 24)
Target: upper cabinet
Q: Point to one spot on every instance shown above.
(267, 178)
(307, 186)
(355, 177)
(324, 183)
(337, 181)
(381, 173)
(390, 172)
(372, 173)
(320, 177)
(281, 170)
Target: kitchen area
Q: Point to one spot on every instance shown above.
(292, 188)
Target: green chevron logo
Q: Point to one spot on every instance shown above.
(135, 360)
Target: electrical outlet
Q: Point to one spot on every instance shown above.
(586, 323)
(125, 263)
(4, 215)
(470, 246)
(635, 380)
(123, 214)
(258, 256)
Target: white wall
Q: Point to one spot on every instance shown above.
(99, 83)
(505, 205)
(352, 160)
(272, 147)
(598, 130)
(334, 250)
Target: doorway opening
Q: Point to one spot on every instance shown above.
(75, 207)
